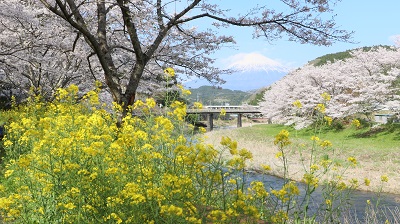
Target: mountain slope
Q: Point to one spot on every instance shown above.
(211, 95)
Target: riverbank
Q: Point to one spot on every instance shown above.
(367, 166)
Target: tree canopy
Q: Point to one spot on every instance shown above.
(360, 84)
(127, 44)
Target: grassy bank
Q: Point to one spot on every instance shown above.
(377, 150)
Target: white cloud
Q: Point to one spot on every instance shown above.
(254, 62)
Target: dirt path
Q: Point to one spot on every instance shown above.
(264, 153)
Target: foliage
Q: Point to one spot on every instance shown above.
(126, 44)
(68, 162)
(320, 172)
(39, 52)
(342, 56)
(323, 170)
(211, 95)
(258, 97)
(330, 58)
(362, 84)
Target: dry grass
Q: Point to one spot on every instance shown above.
(374, 216)
(264, 153)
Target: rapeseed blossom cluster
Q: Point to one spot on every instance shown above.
(282, 139)
(326, 96)
(223, 112)
(69, 162)
(356, 123)
(320, 107)
(320, 172)
(198, 105)
(169, 71)
(297, 104)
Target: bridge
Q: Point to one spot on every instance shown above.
(211, 110)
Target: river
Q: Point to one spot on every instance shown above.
(358, 199)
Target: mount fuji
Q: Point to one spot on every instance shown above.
(252, 71)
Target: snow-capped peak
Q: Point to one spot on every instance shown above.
(254, 62)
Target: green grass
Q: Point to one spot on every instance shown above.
(378, 139)
(378, 143)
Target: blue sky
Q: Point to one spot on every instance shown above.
(373, 23)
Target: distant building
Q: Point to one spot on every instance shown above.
(382, 118)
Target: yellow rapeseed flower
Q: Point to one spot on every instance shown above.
(266, 167)
(325, 143)
(74, 191)
(223, 112)
(384, 178)
(325, 163)
(356, 123)
(169, 71)
(171, 209)
(193, 220)
(7, 143)
(112, 170)
(93, 97)
(353, 182)
(320, 107)
(186, 92)
(314, 167)
(180, 109)
(367, 181)
(73, 89)
(328, 202)
(297, 104)
(326, 96)
(278, 154)
(24, 161)
(8, 173)
(280, 217)
(259, 188)
(217, 215)
(138, 104)
(282, 139)
(352, 160)
(311, 179)
(115, 217)
(342, 186)
(245, 154)
(198, 105)
(69, 206)
(232, 181)
(150, 102)
(236, 162)
(202, 130)
(328, 120)
(314, 138)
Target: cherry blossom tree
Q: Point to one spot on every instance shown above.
(362, 83)
(39, 52)
(134, 40)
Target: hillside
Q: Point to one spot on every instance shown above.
(211, 95)
(342, 56)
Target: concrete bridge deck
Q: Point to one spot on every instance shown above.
(210, 114)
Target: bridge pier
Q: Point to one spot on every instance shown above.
(210, 121)
(239, 120)
(210, 115)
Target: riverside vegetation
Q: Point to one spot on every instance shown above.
(67, 161)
